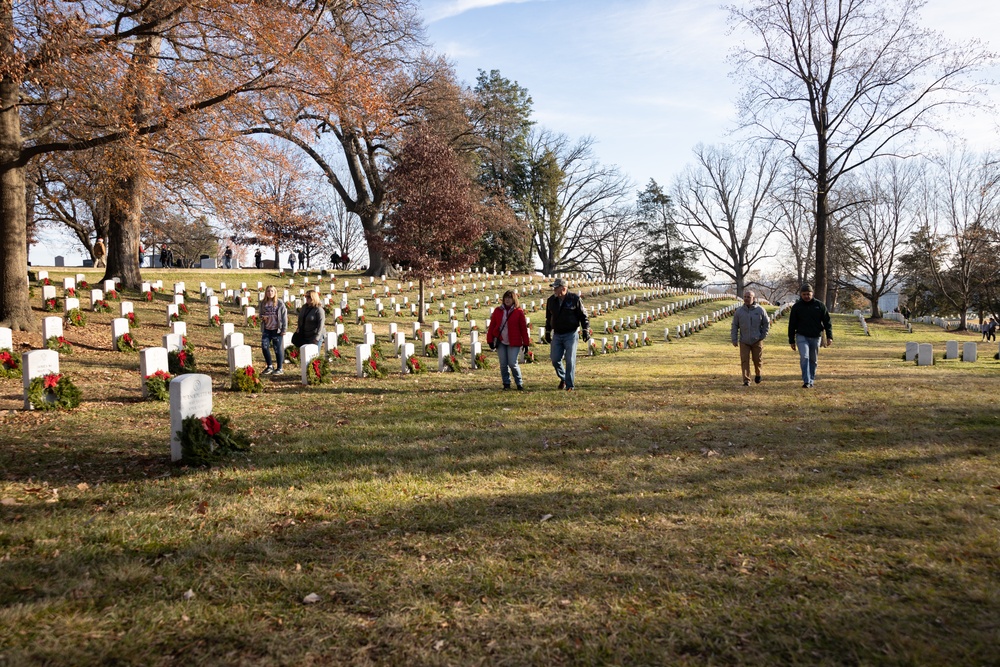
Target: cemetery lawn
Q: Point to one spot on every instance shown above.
(660, 514)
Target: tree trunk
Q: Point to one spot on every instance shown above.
(420, 305)
(378, 264)
(15, 309)
(876, 313)
(822, 219)
(124, 213)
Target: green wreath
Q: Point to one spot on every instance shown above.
(371, 368)
(180, 361)
(246, 380)
(318, 370)
(125, 343)
(453, 363)
(205, 440)
(157, 386)
(482, 361)
(10, 365)
(102, 306)
(59, 344)
(133, 320)
(53, 391)
(413, 365)
(76, 318)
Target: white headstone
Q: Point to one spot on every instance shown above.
(190, 396)
(405, 352)
(37, 363)
(48, 292)
(119, 327)
(286, 339)
(925, 354)
(71, 303)
(151, 359)
(331, 342)
(240, 356)
(95, 296)
(911, 351)
(69, 283)
(126, 307)
(951, 349)
(307, 353)
(362, 353)
(444, 351)
(108, 285)
(474, 350)
(6, 339)
(171, 311)
(248, 313)
(234, 340)
(970, 351)
(173, 342)
(227, 328)
(51, 327)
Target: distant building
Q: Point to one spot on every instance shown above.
(889, 302)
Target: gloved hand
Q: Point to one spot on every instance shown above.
(492, 344)
(586, 335)
(524, 348)
(548, 337)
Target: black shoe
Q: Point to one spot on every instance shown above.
(806, 385)
(506, 387)
(756, 379)
(746, 383)
(562, 384)
(520, 387)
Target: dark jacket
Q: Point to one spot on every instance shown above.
(311, 326)
(516, 324)
(565, 317)
(809, 319)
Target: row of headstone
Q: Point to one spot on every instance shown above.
(923, 353)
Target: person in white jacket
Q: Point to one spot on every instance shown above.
(750, 327)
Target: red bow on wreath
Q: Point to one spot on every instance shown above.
(51, 381)
(211, 425)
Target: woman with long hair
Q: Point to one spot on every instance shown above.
(273, 323)
(508, 334)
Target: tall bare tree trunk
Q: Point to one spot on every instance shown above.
(15, 309)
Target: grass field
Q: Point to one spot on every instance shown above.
(661, 514)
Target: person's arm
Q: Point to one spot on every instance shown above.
(792, 321)
(765, 323)
(282, 317)
(522, 324)
(734, 329)
(321, 322)
(583, 317)
(828, 326)
(548, 320)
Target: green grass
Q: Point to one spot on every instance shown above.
(692, 521)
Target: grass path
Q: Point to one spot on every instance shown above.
(690, 520)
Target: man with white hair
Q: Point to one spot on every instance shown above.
(750, 327)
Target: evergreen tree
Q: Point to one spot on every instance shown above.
(666, 259)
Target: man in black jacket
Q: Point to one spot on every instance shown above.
(807, 321)
(564, 314)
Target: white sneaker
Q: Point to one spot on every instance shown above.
(267, 371)
(278, 372)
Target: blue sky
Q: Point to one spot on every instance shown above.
(649, 79)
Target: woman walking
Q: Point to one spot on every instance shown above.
(508, 334)
(273, 323)
(310, 329)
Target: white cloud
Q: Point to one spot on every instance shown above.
(437, 10)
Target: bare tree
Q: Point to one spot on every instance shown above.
(565, 196)
(877, 227)
(724, 203)
(844, 82)
(342, 229)
(616, 239)
(797, 223)
(961, 205)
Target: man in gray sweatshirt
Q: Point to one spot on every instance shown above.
(750, 328)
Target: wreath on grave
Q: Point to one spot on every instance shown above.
(318, 371)
(647, 341)
(373, 367)
(340, 319)
(176, 317)
(431, 349)
(215, 321)
(102, 306)
(114, 295)
(45, 281)
(59, 344)
(376, 352)
(609, 348)
(180, 361)
(619, 346)
(457, 331)
(52, 391)
(529, 356)
(482, 361)
(125, 343)
(157, 386)
(52, 304)
(453, 363)
(380, 312)
(413, 365)
(292, 352)
(83, 284)
(616, 327)
(475, 327)
(630, 344)
(344, 339)
(247, 380)
(608, 329)
(148, 295)
(335, 355)
(345, 309)
(187, 345)
(70, 292)
(362, 320)
(253, 321)
(10, 365)
(592, 347)
(205, 440)
(457, 348)
(133, 320)
(439, 333)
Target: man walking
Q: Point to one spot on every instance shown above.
(100, 253)
(750, 327)
(227, 257)
(564, 314)
(807, 321)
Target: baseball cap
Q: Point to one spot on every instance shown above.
(558, 282)
(806, 287)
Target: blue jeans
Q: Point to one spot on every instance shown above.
(808, 353)
(508, 363)
(564, 345)
(268, 337)
(228, 262)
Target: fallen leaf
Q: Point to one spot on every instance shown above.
(189, 594)
(202, 507)
(298, 567)
(312, 598)
(83, 486)
(439, 644)
(546, 517)
(9, 502)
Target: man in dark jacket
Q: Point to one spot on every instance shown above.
(564, 314)
(807, 321)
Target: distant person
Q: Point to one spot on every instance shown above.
(750, 327)
(310, 329)
(345, 260)
(100, 253)
(564, 314)
(227, 257)
(163, 255)
(291, 260)
(302, 260)
(258, 262)
(273, 324)
(142, 254)
(508, 335)
(807, 321)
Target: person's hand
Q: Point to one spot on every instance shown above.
(735, 344)
(524, 348)
(793, 347)
(586, 335)
(492, 344)
(829, 342)
(548, 337)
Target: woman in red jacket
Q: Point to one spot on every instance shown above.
(508, 334)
